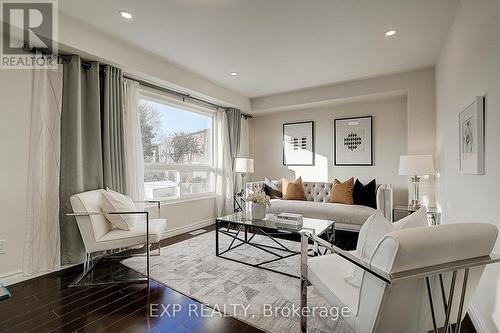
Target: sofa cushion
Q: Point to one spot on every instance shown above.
(272, 189)
(346, 217)
(365, 195)
(342, 192)
(293, 190)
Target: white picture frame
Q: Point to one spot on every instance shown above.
(298, 143)
(471, 138)
(353, 141)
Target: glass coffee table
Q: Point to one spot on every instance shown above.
(247, 228)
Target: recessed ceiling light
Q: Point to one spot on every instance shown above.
(234, 73)
(125, 14)
(390, 33)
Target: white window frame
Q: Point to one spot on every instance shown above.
(158, 97)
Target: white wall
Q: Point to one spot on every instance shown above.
(390, 141)
(15, 105)
(417, 85)
(468, 66)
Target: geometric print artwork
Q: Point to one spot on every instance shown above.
(299, 143)
(352, 141)
(191, 268)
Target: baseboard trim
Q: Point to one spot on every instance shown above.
(15, 277)
(188, 228)
(11, 278)
(476, 319)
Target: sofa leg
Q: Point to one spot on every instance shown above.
(304, 241)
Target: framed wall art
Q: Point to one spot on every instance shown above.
(471, 122)
(353, 141)
(298, 143)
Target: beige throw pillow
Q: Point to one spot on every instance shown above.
(293, 190)
(342, 192)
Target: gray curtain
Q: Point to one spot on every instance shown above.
(91, 142)
(81, 153)
(112, 130)
(234, 128)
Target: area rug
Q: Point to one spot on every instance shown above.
(192, 268)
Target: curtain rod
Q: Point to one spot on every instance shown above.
(178, 93)
(141, 81)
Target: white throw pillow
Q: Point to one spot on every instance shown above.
(417, 219)
(117, 202)
(373, 230)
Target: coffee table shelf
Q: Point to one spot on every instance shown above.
(248, 228)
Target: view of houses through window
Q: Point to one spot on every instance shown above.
(178, 150)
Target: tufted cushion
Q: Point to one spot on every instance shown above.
(320, 192)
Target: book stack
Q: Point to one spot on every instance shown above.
(289, 218)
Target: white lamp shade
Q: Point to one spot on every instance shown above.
(416, 165)
(243, 165)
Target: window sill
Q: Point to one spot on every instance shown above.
(166, 202)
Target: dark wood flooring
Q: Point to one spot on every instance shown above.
(47, 304)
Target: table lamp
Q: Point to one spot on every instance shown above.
(243, 166)
(416, 166)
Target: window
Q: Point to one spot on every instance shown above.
(178, 146)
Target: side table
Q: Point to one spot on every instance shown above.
(433, 214)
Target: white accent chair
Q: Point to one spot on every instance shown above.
(413, 277)
(99, 235)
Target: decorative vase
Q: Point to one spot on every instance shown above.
(258, 211)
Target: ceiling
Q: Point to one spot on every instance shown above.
(278, 45)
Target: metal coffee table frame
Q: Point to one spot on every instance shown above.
(245, 233)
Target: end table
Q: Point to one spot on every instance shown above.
(433, 214)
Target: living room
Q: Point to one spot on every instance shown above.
(234, 166)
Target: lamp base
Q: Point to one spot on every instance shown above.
(415, 202)
(414, 205)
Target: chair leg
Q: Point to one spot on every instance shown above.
(303, 283)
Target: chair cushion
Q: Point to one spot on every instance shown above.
(117, 238)
(327, 273)
(116, 202)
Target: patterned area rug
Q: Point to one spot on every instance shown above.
(192, 268)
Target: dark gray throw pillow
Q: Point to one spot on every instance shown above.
(271, 189)
(365, 195)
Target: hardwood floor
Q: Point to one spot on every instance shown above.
(47, 304)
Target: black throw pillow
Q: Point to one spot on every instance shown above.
(271, 189)
(365, 195)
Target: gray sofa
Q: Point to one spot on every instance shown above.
(317, 205)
